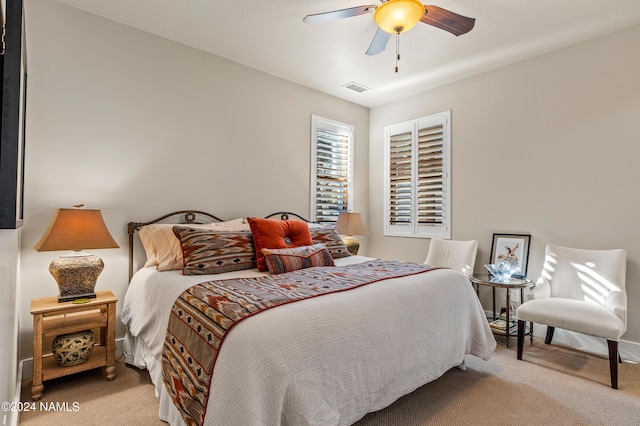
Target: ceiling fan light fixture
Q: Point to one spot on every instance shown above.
(398, 16)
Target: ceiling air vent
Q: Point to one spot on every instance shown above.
(356, 87)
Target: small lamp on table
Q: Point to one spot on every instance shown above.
(349, 224)
(76, 229)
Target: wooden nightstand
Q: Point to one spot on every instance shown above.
(51, 319)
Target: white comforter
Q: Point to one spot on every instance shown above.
(323, 361)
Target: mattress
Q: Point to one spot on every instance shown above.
(328, 360)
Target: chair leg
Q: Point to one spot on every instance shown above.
(549, 337)
(521, 327)
(614, 356)
(531, 332)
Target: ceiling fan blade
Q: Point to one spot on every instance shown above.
(338, 14)
(447, 20)
(379, 42)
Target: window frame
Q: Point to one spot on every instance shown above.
(344, 129)
(415, 229)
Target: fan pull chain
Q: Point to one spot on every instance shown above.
(397, 50)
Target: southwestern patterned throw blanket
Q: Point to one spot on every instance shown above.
(203, 314)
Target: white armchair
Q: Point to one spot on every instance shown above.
(458, 255)
(582, 291)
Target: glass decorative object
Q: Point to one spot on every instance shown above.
(502, 270)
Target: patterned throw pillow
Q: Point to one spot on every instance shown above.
(207, 251)
(280, 261)
(330, 238)
(163, 249)
(167, 246)
(277, 234)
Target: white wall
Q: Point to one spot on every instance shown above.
(547, 146)
(9, 294)
(139, 126)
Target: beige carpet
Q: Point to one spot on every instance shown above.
(551, 386)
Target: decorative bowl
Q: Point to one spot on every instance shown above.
(73, 348)
(502, 271)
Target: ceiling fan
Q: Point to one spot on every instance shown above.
(398, 16)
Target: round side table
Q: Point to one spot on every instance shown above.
(486, 279)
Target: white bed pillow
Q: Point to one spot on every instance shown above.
(163, 247)
(145, 238)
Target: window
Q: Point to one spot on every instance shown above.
(331, 168)
(418, 178)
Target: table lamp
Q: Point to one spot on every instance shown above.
(349, 224)
(76, 229)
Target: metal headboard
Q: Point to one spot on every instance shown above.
(187, 216)
(285, 216)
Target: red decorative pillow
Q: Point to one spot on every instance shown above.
(277, 234)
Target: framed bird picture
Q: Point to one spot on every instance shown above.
(512, 248)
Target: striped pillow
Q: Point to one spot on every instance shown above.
(206, 251)
(330, 238)
(277, 234)
(280, 261)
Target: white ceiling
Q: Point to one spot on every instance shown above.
(269, 35)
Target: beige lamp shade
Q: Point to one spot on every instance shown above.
(76, 229)
(350, 223)
(398, 16)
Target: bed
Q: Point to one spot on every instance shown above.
(325, 360)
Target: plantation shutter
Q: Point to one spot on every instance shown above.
(417, 163)
(430, 176)
(400, 179)
(331, 169)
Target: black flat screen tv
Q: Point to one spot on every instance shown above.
(12, 126)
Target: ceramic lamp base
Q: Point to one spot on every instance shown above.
(352, 244)
(76, 276)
